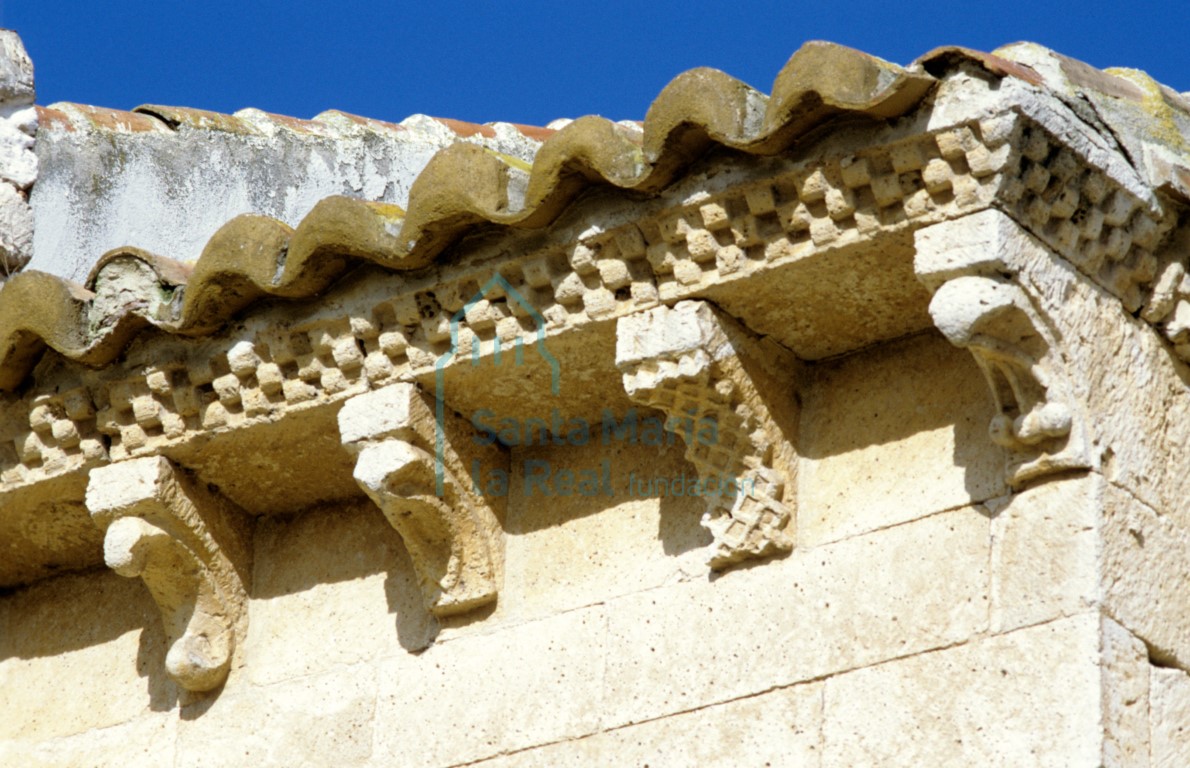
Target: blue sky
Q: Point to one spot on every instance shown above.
(527, 61)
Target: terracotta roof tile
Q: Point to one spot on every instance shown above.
(941, 59)
(73, 117)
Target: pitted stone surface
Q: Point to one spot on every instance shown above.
(971, 571)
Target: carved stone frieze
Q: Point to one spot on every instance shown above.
(675, 250)
(979, 306)
(730, 396)
(48, 434)
(1093, 220)
(192, 550)
(415, 462)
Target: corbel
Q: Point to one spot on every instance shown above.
(730, 396)
(979, 303)
(416, 467)
(191, 548)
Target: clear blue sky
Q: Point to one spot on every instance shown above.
(527, 62)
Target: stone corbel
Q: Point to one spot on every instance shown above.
(192, 550)
(981, 306)
(730, 396)
(418, 471)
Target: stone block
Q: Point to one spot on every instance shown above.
(144, 741)
(58, 637)
(564, 552)
(16, 69)
(310, 721)
(1169, 707)
(777, 728)
(1031, 697)
(892, 434)
(886, 594)
(16, 230)
(333, 586)
(18, 162)
(1045, 552)
(1125, 696)
(1146, 586)
(485, 694)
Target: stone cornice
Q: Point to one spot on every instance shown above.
(1006, 161)
(764, 208)
(397, 328)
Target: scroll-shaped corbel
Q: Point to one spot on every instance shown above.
(730, 396)
(190, 547)
(417, 471)
(979, 307)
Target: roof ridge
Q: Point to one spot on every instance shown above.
(250, 120)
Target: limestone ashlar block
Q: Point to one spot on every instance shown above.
(325, 719)
(1041, 696)
(1046, 552)
(887, 594)
(193, 551)
(62, 639)
(918, 402)
(301, 629)
(582, 550)
(1169, 717)
(474, 697)
(730, 396)
(1125, 682)
(149, 740)
(780, 727)
(1146, 585)
(414, 462)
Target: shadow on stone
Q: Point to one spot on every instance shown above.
(150, 664)
(73, 611)
(416, 626)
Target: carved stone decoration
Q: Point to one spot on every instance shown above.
(417, 469)
(192, 550)
(376, 339)
(978, 306)
(731, 397)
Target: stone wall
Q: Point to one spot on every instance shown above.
(928, 617)
(940, 345)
